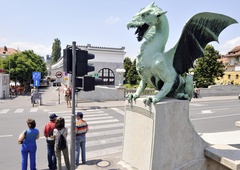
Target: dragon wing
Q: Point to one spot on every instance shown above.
(201, 29)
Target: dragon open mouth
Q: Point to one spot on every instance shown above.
(141, 31)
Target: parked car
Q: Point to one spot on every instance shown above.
(55, 83)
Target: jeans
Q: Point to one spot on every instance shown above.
(80, 143)
(51, 157)
(25, 150)
(66, 158)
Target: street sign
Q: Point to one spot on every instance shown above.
(36, 82)
(59, 74)
(36, 75)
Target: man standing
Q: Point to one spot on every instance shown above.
(48, 133)
(81, 130)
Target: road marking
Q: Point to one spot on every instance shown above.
(94, 127)
(102, 121)
(19, 111)
(214, 117)
(4, 136)
(118, 110)
(104, 152)
(4, 111)
(104, 141)
(35, 109)
(104, 133)
(98, 118)
(206, 112)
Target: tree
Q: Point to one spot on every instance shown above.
(23, 64)
(56, 50)
(132, 74)
(127, 65)
(208, 68)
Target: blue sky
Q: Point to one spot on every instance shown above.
(34, 25)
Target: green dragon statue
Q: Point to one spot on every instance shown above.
(164, 70)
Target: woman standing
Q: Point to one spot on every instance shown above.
(29, 146)
(60, 129)
(68, 97)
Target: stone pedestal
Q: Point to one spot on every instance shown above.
(161, 137)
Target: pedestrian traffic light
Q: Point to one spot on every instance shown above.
(67, 60)
(82, 66)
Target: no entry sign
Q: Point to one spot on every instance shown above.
(59, 74)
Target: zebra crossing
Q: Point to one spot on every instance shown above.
(21, 110)
(105, 133)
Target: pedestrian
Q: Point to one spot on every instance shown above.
(48, 133)
(81, 130)
(196, 92)
(67, 95)
(29, 146)
(61, 129)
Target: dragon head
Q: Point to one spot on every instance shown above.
(145, 20)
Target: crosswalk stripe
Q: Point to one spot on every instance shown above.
(103, 152)
(104, 141)
(35, 109)
(102, 121)
(94, 127)
(104, 133)
(118, 110)
(19, 110)
(98, 118)
(3, 111)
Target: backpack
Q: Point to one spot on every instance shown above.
(50, 141)
(62, 144)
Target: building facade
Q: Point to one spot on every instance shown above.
(107, 60)
(232, 73)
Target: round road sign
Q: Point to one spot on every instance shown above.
(59, 74)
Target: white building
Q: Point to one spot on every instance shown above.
(107, 60)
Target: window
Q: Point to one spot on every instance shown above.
(107, 75)
(229, 76)
(237, 76)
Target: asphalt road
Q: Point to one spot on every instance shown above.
(215, 116)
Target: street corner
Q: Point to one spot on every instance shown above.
(101, 164)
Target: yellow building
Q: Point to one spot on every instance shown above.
(232, 73)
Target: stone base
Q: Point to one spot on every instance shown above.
(161, 137)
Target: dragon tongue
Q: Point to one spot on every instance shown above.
(138, 29)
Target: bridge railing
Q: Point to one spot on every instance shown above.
(146, 92)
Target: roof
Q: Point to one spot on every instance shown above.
(224, 60)
(234, 52)
(8, 51)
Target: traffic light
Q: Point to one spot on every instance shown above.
(67, 60)
(82, 67)
(87, 83)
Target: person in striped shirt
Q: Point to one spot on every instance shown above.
(81, 130)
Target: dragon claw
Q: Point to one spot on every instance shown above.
(148, 101)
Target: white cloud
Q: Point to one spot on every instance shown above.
(39, 49)
(229, 45)
(112, 20)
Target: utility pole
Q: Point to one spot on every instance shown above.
(73, 120)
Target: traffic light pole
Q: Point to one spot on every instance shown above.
(73, 120)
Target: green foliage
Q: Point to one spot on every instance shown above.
(23, 64)
(56, 50)
(131, 75)
(127, 65)
(208, 68)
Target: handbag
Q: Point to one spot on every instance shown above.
(50, 140)
(25, 133)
